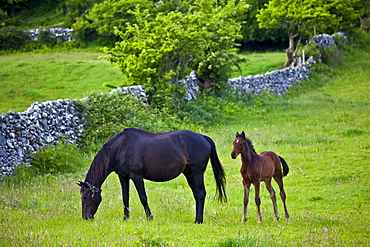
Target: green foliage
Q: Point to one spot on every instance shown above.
(74, 9)
(157, 51)
(55, 159)
(306, 17)
(98, 23)
(12, 38)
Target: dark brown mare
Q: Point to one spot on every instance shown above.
(256, 168)
(137, 155)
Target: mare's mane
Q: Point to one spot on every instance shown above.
(101, 160)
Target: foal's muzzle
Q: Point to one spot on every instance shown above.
(233, 155)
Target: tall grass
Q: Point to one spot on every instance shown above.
(320, 127)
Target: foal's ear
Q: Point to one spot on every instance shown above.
(237, 134)
(243, 134)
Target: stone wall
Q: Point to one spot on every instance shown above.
(276, 82)
(22, 133)
(58, 33)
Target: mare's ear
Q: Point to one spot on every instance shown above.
(81, 184)
(237, 134)
(243, 134)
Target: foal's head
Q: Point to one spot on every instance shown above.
(241, 144)
(91, 198)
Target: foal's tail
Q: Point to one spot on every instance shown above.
(218, 171)
(285, 166)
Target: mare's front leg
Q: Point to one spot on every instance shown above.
(246, 185)
(139, 184)
(125, 185)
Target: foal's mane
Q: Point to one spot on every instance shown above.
(249, 142)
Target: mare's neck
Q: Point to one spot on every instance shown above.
(97, 174)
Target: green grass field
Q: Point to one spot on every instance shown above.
(27, 78)
(321, 128)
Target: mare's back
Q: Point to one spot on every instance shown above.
(169, 144)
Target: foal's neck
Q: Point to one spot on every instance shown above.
(248, 157)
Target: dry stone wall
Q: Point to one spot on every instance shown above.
(22, 133)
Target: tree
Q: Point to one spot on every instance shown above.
(300, 17)
(252, 34)
(104, 16)
(157, 51)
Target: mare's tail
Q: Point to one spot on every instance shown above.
(285, 166)
(218, 171)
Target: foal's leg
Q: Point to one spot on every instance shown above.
(125, 184)
(279, 181)
(257, 199)
(246, 185)
(139, 184)
(273, 197)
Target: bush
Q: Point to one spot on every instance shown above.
(12, 38)
(62, 158)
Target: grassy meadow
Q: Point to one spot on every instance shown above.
(26, 78)
(320, 127)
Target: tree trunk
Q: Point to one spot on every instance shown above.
(290, 52)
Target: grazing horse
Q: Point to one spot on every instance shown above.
(136, 154)
(256, 168)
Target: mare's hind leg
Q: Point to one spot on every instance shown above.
(279, 181)
(196, 183)
(125, 184)
(246, 185)
(139, 184)
(273, 197)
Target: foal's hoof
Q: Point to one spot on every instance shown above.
(150, 217)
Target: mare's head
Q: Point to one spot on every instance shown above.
(241, 144)
(91, 198)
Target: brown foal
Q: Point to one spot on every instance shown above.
(256, 168)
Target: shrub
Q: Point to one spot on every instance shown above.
(62, 158)
(12, 38)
